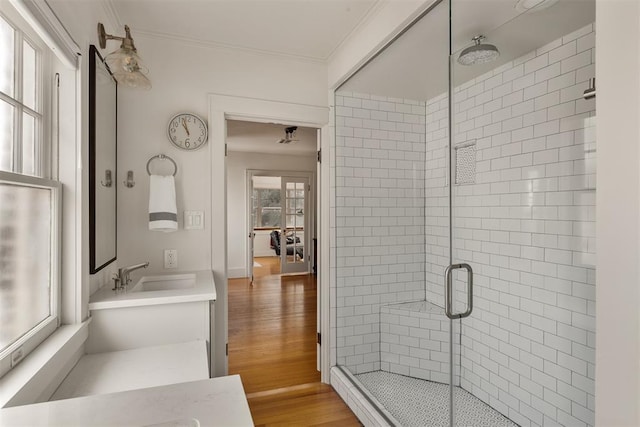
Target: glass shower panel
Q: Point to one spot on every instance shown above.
(490, 164)
(522, 156)
(392, 225)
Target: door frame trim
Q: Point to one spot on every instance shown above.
(221, 108)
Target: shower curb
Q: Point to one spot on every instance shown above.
(364, 405)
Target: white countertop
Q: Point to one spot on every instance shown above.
(213, 402)
(204, 290)
(135, 369)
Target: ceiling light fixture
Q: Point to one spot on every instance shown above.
(290, 134)
(124, 63)
(479, 53)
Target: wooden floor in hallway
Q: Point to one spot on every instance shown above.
(272, 345)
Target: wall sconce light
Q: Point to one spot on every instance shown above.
(124, 63)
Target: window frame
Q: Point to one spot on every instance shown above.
(258, 210)
(36, 335)
(24, 33)
(44, 157)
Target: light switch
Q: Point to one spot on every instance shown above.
(193, 220)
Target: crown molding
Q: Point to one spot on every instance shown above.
(113, 22)
(46, 24)
(372, 12)
(228, 47)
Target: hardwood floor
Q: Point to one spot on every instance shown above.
(313, 404)
(272, 345)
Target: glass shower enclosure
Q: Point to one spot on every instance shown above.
(464, 225)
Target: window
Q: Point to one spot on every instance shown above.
(266, 208)
(29, 201)
(21, 102)
(295, 205)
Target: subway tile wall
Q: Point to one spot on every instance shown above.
(414, 341)
(525, 222)
(379, 214)
(527, 226)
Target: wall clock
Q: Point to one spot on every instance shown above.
(187, 131)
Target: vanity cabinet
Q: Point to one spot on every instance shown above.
(138, 319)
(126, 328)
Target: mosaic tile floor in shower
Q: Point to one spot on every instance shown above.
(415, 402)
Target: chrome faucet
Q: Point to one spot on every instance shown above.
(123, 279)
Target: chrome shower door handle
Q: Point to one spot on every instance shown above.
(448, 307)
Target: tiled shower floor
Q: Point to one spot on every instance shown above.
(415, 402)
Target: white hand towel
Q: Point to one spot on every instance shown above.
(163, 214)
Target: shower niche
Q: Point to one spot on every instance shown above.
(490, 165)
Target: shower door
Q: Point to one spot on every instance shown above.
(522, 209)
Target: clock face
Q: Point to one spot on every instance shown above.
(187, 131)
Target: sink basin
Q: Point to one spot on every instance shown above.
(167, 282)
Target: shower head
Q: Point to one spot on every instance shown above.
(479, 53)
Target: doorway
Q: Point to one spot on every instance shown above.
(287, 202)
(272, 222)
(224, 108)
(280, 213)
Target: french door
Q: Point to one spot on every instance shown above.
(294, 228)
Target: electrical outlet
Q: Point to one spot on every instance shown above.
(170, 258)
(17, 356)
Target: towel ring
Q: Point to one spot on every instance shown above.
(162, 157)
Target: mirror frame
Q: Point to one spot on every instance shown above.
(95, 265)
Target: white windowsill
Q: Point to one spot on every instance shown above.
(42, 364)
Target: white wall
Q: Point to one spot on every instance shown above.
(618, 213)
(182, 76)
(237, 165)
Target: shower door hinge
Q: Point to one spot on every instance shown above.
(226, 151)
(319, 340)
(319, 156)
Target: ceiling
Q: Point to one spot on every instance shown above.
(306, 29)
(263, 138)
(413, 67)
(310, 29)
